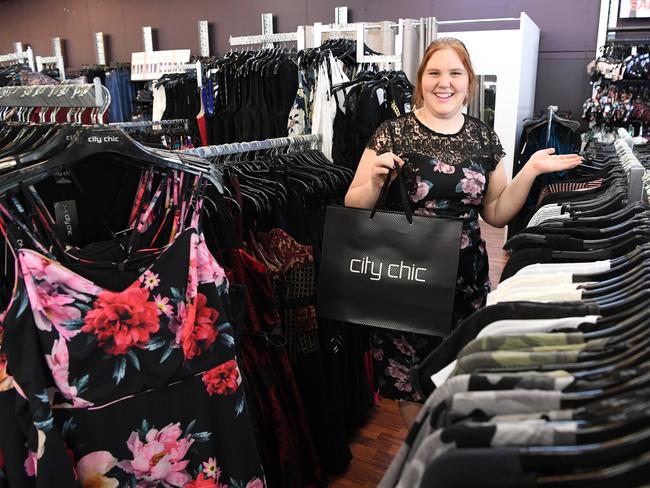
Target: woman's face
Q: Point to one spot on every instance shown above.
(445, 84)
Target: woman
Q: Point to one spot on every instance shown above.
(453, 166)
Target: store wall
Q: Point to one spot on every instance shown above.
(568, 28)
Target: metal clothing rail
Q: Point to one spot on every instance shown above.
(477, 21)
(241, 147)
(264, 39)
(57, 60)
(268, 37)
(91, 95)
(26, 55)
(635, 170)
(149, 123)
(358, 29)
(171, 69)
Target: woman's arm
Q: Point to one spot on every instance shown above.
(369, 178)
(504, 200)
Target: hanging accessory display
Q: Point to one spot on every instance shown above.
(389, 269)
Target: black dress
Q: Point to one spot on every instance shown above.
(124, 373)
(447, 175)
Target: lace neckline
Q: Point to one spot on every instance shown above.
(442, 134)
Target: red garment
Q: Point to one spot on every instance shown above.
(203, 128)
(286, 446)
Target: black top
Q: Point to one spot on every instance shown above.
(495, 467)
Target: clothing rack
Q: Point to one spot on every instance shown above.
(74, 96)
(631, 42)
(87, 95)
(358, 29)
(27, 55)
(646, 186)
(149, 123)
(207, 152)
(635, 170)
(268, 38)
(184, 68)
(57, 60)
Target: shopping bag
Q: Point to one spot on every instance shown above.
(389, 269)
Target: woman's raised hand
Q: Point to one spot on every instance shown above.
(381, 166)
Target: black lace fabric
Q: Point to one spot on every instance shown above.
(406, 134)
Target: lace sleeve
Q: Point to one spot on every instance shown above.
(382, 140)
(497, 148)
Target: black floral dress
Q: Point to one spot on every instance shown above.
(447, 175)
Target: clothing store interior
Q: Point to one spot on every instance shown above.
(410, 244)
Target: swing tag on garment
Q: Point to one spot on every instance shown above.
(67, 220)
(63, 177)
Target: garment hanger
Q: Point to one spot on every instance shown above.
(90, 141)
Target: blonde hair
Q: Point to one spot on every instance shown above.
(459, 48)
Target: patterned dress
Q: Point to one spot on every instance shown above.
(128, 386)
(446, 175)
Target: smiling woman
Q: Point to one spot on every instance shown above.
(446, 81)
(452, 165)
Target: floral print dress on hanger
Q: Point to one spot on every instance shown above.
(133, 386)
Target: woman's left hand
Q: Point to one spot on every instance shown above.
(545, 161)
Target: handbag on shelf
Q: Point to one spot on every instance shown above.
(389, 269)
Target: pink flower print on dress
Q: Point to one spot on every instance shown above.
(163, 305)
(149, 280)
(160, 457)
(397, 370)
(472, 184)
(423, 187)
(42, 269)
(210, 469)
(425, 211)
(59, 363)
(403, 346)
(404, 386)
(31, 463)
(93, 466)
(472, 201)
(209, 270)
(51, 308)
(255, 483)
(445, 168)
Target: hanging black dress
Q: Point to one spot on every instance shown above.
(447, 175)
(129, 370)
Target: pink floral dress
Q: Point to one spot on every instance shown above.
(130, 386)
(446, 175)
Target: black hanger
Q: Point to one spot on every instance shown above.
(95, 140)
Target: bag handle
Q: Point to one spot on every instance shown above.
(383, 194)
